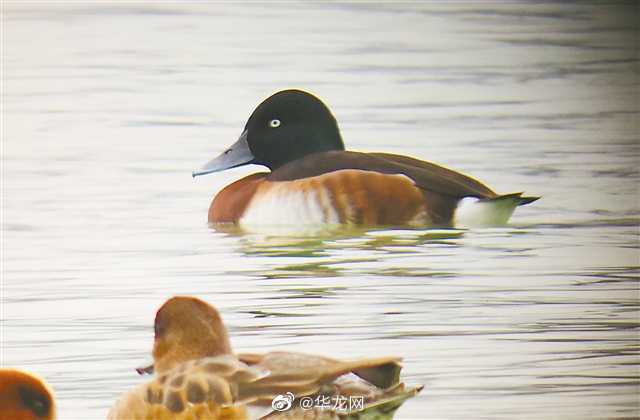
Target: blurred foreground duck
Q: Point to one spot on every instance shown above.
(314, 180)
(198, 376)
(24, 396)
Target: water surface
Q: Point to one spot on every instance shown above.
(108, 108)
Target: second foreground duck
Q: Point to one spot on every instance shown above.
(198, 376)
(25, 396)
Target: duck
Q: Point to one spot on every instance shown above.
(313, 180)
(25, 396)
(197, 375)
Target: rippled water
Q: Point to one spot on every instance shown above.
(108, 108)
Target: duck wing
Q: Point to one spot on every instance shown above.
(426, 175)
(202, 388)
(335, 386)
(305, 374)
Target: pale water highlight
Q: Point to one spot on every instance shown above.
(108, 107)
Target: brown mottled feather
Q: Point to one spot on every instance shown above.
(195, 389)
(191, 385)
(220, 387)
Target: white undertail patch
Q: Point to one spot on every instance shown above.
(474, 212)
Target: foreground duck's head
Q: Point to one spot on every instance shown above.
(286, 126)
(24, 396)
(187, 328)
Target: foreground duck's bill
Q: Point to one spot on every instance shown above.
(237, 155)
(146, 370)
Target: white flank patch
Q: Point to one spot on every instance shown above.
(472, 212)
(284, 204)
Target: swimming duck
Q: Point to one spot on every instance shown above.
(24, 396)
(198, 376)
(314, 180)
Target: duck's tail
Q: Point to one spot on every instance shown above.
(382, 407)
(496, 211)
(518, 198)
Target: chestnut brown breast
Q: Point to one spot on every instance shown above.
(347, 196)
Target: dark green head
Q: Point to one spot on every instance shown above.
(284, 127)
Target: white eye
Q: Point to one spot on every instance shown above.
(274, 123)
